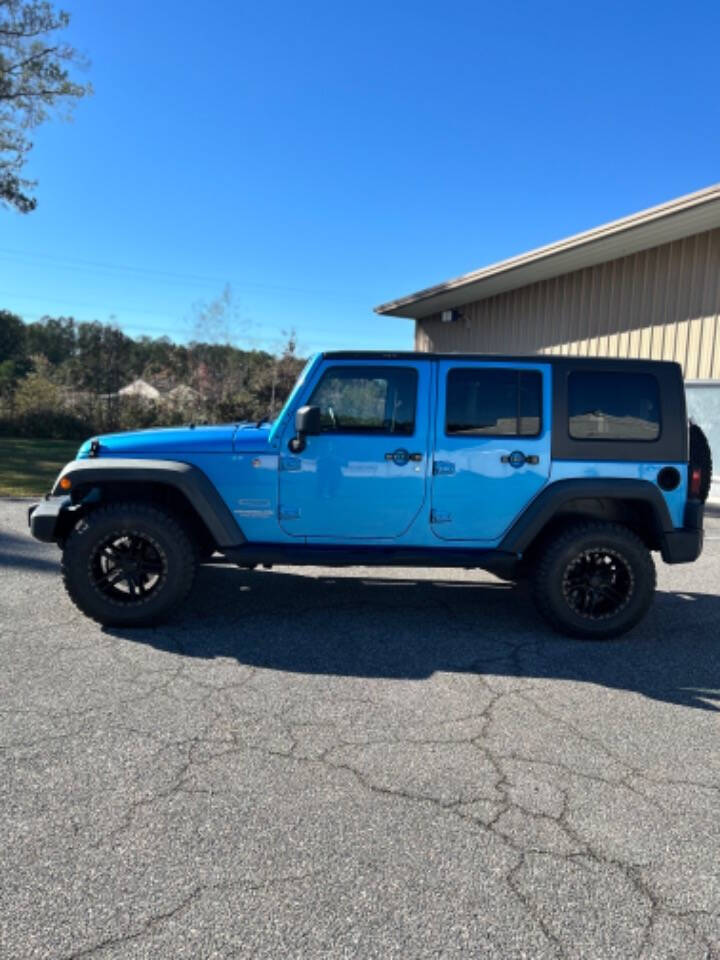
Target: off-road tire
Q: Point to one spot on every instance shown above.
(629, 565)
(173, 553)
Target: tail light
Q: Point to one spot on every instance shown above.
(695, 481)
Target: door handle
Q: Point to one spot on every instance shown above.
(517, 458)
(401, 457)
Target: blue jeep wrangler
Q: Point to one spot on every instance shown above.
(568, 471)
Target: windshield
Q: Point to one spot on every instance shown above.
(302, 376)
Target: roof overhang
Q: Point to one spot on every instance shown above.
(693, 213)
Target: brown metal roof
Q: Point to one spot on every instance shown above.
(682, 217)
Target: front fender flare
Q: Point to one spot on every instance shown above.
(184, 477)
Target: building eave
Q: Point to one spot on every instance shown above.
(682, 217)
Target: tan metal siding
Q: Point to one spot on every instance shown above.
(662, 303)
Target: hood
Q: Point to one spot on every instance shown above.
(249, 436)
(164, 441)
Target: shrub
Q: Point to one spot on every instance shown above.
(47, 424)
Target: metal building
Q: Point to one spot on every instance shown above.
(644, 286)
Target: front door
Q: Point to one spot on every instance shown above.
(492, 446)
(365, 475)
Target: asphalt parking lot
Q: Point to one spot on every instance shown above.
(356, 763)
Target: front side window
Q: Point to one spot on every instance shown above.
(493, 402)
(367, 400)
(613, 406)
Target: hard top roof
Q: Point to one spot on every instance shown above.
(554, 359)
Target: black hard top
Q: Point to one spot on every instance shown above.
(671, 445)
(555, 359)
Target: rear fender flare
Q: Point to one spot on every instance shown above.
(551, 500)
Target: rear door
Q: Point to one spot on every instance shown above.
(492, 446)
(365, 475)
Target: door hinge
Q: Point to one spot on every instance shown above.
(290, 463)
(289, 513)
(443, 468)
(437, 516)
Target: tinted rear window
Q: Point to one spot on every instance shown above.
(613, 406)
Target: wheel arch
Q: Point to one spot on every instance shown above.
(180, 487)
(636, 504)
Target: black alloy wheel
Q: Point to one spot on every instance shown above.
(128, 567)
(598, 584)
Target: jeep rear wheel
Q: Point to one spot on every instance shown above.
(128, 564)
(595, 580)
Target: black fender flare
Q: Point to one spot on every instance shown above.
(184, 477)
(552, 498)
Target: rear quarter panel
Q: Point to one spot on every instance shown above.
(628, 470)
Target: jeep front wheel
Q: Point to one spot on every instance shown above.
(128, 564)
(594, 580)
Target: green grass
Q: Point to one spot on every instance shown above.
(28, 467)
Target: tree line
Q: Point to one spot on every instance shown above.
(63, 378)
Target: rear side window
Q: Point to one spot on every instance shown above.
(367, 400)
(613, 406)
(493, 402)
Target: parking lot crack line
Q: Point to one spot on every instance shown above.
(153, 921)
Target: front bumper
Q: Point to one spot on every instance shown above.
(48, 519)
(685, 544)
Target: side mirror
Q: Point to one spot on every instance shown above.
(307, 424)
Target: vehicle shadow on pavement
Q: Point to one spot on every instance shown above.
(22, 552)
(410, 628)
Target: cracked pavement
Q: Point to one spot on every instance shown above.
(356, 763)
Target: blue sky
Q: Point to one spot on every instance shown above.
(324, 157)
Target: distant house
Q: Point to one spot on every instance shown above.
(183, 396)
(140, 388)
